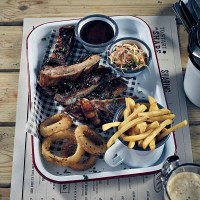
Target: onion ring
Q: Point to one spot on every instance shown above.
(90, 141)
(68, 149)
(61, 135)
(55, 123)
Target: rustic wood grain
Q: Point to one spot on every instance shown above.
(193, 113)
(8, 96)
(16, 10)
(10, 47)
(6, 155)
(183, 41)
(4, 193)
(195, 140)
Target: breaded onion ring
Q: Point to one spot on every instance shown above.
(61, 135)
(55, 123)
(68, 149)
(91, 142)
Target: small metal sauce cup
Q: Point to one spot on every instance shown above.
(130, 40)
(96, 48)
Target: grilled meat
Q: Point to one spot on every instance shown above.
(90, 112)
(96, 111)
(69, 91)
(51, 76)
(63, 46)
(87, 91)
(112, 89)
(75, 111)
(84, 86)
(107, 108)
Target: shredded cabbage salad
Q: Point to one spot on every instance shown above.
(128, 57)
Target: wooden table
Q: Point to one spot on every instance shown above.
(11, 22)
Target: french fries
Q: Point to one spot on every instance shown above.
(107, 126)
(155, 132)
(131, 103)
(173, 128)
(140, 128)
(140, 109)
(139, 143)
(153, 106)
(137, 137)
(124, 129)
(143, 124)
(161, 118)
(127, 110)
(151, 100)
(153, 125)
(154, 120)
(160, 112)
(131, 145)
(131, 131)
(152, 144)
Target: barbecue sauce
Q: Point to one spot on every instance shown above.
(96, 32)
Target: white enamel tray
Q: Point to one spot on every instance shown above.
(147, 83)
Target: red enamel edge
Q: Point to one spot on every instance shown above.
(160, 76)
(90, 179)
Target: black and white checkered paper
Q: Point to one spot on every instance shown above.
(44, 106)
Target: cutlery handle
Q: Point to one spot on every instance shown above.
(180, 15)
(188, 15)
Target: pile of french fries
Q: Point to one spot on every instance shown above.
(143, 124)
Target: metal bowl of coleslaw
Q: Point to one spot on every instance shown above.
(129, 56)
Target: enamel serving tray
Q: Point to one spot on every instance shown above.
(147, 83)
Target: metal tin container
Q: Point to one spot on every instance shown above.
(96, 48)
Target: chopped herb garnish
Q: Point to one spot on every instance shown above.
(85, 177)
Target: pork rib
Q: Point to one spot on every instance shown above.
(90, 112)
(63, 46)
(51, 76)
(111, 89)
(86, 84)
(96, 112)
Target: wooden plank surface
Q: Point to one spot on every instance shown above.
(6, 155)
(183, 41)
(195, 140)
(8, 96)
(4, 193)
(16, 10)
(10, 48)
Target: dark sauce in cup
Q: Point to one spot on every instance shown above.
(96, 32)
